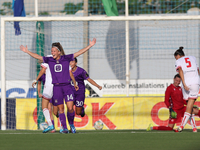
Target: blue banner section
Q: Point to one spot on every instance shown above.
(30, 94)
(10, 113)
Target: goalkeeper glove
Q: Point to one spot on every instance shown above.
(172, 113)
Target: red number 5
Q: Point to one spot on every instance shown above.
(188, 62)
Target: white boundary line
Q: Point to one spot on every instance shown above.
(132, 132)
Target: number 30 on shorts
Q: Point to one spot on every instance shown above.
(79, 104)
(70, 97)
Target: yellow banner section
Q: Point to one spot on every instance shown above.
(142, 111)
(115, 113)
(153, 110)
(25, 114)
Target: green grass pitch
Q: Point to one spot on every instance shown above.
(100, 140)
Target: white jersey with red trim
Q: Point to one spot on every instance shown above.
(190, 69)
(48, 79)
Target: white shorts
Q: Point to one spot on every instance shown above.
(192, 93)
(48, 91)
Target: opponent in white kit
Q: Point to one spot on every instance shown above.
(189, 73)
(47, 92)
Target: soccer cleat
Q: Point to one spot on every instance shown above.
(83, 114)
(53, 131)
(49, 128)
(179, 129)
(150, 127)
(176, 130)
(61, 130)
(194, 129)
(64, 131)
(73, 129)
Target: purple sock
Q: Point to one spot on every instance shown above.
(52, 122)
(82, 111)
(70, 117)
(63, 120)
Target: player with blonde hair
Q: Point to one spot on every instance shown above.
(59, 67)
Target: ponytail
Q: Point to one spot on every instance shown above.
(179, 52)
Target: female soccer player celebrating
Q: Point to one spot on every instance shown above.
(80, 75)
(59, 67)
(48, 92)
(188, 69)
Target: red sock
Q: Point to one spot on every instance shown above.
(162, 128)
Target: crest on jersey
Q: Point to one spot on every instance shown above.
(58, 68)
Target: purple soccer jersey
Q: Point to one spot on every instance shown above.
(80, 75)
(60, 78)
(59, 68)
(42, 79)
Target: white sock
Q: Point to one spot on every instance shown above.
(192, 121)
(47, 116)
(61, 127)
(185, 119)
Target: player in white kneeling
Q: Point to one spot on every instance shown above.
(188, 70)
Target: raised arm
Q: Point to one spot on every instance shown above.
(94, 83)
(80, 52)
(34, 55)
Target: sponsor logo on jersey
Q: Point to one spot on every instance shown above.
(58, 68)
